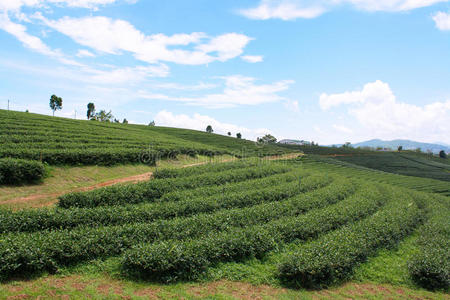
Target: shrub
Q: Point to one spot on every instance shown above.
(201, 169)
(154, 189)
(33, 220)
(174, 260)
(430, 266)
(19, 171)
(49, 250)
(334, 256)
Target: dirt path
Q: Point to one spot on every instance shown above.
(36, 197)
(130, 179)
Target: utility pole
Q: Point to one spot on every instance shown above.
(8, 104)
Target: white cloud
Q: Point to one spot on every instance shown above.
(284, 10)
(34, 43)
(307, 9)
(126, 75)
(115, 36)
(106, 75)
(391, 5)
(239, 90)
(370, 90)
(252, 58)
(11, 5)
(20, 32)
(442, 20)
(176, 86)
(342, 129)
(84, 53)
(199, 122)
(376, 108)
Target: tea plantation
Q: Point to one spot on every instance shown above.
(305, 223)
(61, 141)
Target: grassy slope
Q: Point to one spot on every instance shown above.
(37, 136)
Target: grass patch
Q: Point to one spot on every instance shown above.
(389, 266)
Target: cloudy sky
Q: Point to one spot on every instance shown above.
(330, 71)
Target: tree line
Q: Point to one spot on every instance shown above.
(91, 114)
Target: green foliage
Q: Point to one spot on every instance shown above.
(316, 265)
(90, 111)
(201, 169)
(267, 139)
(209, 129)
(343, 168)
(49, 250)
(430, 267)
(154, 189)
(55, 103)
(104, 116)
(33, 220)
(174, 260)
(187, 221)
(401, 163)
(442, 154)
(19, 171)
(239, 135)
(75, 142)
(322, 150)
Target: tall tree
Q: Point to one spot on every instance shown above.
(400, 148)
(90, 110)
(125, 121)
(209, 129)
(229, 133)
(442, 154)
(152, 123)
(239, 135)
(55, 103)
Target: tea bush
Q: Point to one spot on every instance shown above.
(19, 171)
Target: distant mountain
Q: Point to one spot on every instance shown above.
(406, 144)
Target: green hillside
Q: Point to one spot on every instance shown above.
(404, 164)
(66, 141)
(240, 222)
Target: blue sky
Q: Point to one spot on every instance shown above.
(330, 71)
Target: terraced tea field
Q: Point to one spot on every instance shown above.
(297, 224)
(61, 141)
(403, 164)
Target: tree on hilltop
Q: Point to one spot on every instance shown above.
(55, 103)
(267, 139)
(104, 116)
(209, 129)
(90, 110)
